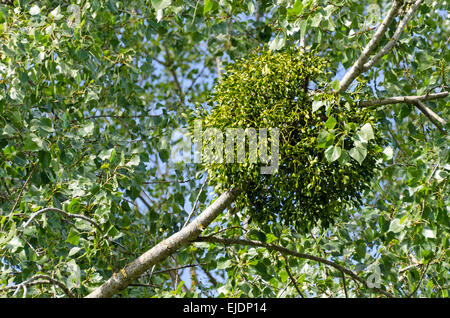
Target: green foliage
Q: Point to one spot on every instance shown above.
(327, 155)
(89, 88)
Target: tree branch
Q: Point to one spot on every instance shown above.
(177, 268)
(420, 281)
(345, 285)
(165, 248)
(47, 280)
(358, 67)
(385, 50)
(70, 215)
(169, 181)
(211, 278)
(174, 74)
(273, 247)
(417, 101)
(194, 206)
(23, 187)
(402, 99)
(288, 271)
(432, 116)
(120, 116)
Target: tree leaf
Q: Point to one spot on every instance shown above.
(428, 233)
(164, 155)
(223, 264)
(46, 125)
(395, 226)
(209, 5)
(35, 10)
(161, 4)
(74, 250)
(87, 130)
(296, 9)
(105, 154)
(277, 43)
(366, 133)
(388, 152)
(330, 123)
(33, 143)
(333, 153)
(358, 153)
(316, 105)
(73, 237)
(14, 244)
(335, 85)
(9, 131)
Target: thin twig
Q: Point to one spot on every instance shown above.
(120, 116)
(210, 276)
(70, 215)
(172, 71)
(194, 206)
(177, 268)
(427, 183)
(23, 187)
(420, 281)
(194, 80)
(195, 12)
(47, 280)
(397, 142)
(293, 279)
(219, 67)
(228, 229)
(149, 207)
(345, 285)
(143, 285)
(169, 181)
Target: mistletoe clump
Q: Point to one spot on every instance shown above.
(328, 150)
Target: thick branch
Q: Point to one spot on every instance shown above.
(273, 247)
(385, 50)
(358, 67)
(165, 248)
(431, 115)
(417, 101)
(402, 99)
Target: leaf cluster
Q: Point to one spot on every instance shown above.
(328, 150)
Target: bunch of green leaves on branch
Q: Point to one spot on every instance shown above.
(328, 150)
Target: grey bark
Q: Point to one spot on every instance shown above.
(358, 67)
(417, 101)
(363, 63)
(402, 99)
(163, 249)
